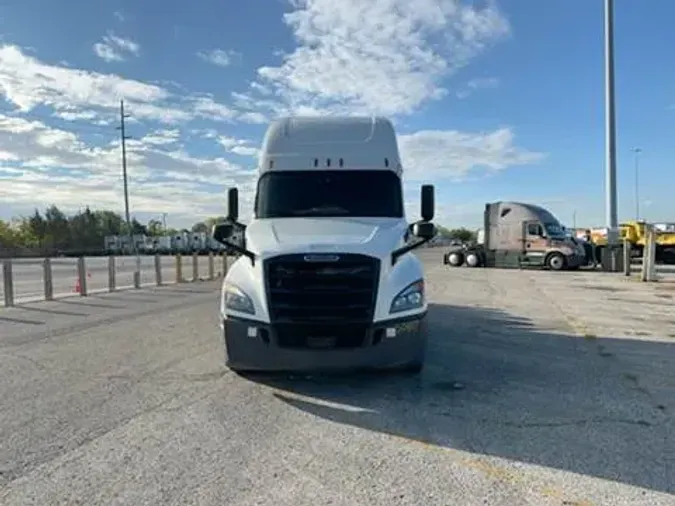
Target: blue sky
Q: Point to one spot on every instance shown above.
(492, 100)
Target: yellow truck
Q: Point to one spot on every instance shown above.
(635, 232)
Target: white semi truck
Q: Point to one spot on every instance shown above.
(326, 278)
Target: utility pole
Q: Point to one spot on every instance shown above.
(124, 138)
(164, 221)
(637, 152)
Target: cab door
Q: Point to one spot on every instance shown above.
(534, 243)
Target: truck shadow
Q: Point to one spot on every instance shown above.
(494, 385)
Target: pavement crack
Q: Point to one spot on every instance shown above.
(572, 423)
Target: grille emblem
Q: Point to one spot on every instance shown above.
(321, 258)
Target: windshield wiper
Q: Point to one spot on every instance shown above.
(322, 210)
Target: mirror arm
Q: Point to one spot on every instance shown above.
(396, 254)
(249, 254)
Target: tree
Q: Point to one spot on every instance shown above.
(200, 227)
(155, 228)
(460, 234)
(58, 230)
(137, 228)
(8, 237)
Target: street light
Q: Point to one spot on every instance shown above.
(610, 129)
(637, 152)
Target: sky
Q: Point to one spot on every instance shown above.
(492, 100)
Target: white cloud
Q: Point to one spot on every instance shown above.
(113, 48)
(220, 57)
(238, 146)
(381, 56)
(450, 154)
(46, 165)
(477, 84)
(26, 82)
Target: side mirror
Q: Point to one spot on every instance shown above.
(427, 204)
(221, 232)
(233, 205)
(424, 230)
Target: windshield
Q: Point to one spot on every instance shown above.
(365, 193)
(554, 230)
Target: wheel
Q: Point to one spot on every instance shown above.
(456, 258)
(472, 259)
(555, 261)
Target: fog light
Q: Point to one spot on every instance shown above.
(391, 332)
(253, 332)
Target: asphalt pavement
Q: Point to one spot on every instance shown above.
(540, 389)
(28, 274)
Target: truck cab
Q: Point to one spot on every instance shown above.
(326, 278)
(517, 235)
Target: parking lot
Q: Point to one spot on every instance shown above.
(541, 388)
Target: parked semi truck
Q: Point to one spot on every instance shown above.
(517, 235)
(326, 278)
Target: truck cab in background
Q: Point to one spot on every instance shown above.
(517, 235)
(326, 278)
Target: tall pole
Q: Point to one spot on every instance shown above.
(164, 221)
(134, 249)
(124, 166)
(610, 129)
(637, 152)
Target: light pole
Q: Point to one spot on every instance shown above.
(610, 129)
(637, 152)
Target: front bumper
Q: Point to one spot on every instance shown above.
(576, 260)
(254, 346)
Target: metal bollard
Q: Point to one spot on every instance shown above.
(8, 282)
(626, 257)
(224, 263)
(111, 274)
(179, 269)
(137, 272)
(211, 266)
(48, 279)
(652, 256)
(195, 267)
(158, 269)
(82, 276)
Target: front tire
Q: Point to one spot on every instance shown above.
(556, 262)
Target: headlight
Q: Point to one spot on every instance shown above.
(236, 300)
(411, 297)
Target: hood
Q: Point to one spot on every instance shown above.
(374, 236)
